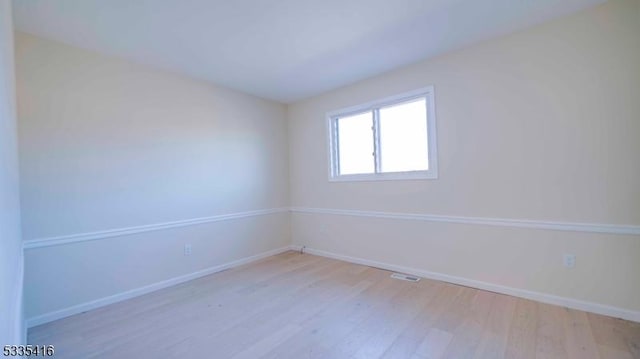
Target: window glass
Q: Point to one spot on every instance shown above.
(403, 137)
(355, 144)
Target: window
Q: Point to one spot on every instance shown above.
(389, 139)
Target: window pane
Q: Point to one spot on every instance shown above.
(403, 137)
(355, 144)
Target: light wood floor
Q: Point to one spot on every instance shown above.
(302, 306)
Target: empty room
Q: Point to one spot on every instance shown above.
(320, 179)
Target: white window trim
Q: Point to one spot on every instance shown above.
(431, 173)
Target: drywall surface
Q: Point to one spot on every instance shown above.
(108, 145)
(540, 125)
(11, 259)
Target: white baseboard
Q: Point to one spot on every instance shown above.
(516, 292)
(77, 309)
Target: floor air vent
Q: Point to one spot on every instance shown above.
(406, 277)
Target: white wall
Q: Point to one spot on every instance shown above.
(11, 259)
(106, 144)
(540, 125)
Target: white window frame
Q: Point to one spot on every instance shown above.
(373, 106)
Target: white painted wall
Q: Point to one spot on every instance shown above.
(540, 125)
(11, 259)
(107, 144)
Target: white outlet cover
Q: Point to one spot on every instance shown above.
(569, 260)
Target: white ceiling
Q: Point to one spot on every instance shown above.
(283, 50)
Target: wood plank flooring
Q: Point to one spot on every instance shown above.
(302, 306)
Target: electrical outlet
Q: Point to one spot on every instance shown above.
(569, 260)
(187, 249)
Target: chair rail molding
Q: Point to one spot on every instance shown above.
(502, 222)
(118, 232)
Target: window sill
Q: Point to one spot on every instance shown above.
(389, 176)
